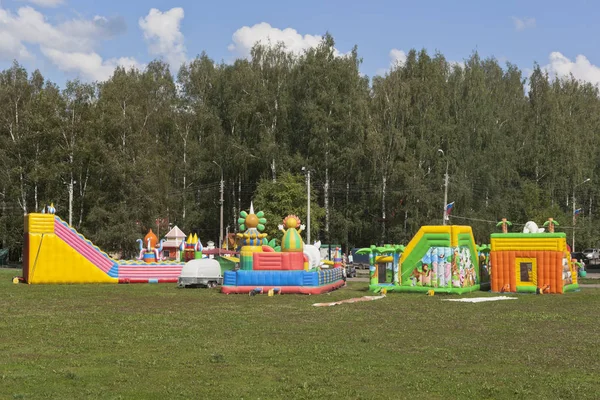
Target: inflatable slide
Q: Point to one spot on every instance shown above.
(55, 252)
(439, 258)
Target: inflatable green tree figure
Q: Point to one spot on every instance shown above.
(372, 252)
(550, 224)
(505, 224)
(396, 252)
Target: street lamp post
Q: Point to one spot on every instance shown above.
(573, 237)
(307, 204)
(227, 238)
(221, 201)
(445, 188)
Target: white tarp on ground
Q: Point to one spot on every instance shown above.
(482, 299)
(354, 300)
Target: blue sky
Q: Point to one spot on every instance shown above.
(85, 39)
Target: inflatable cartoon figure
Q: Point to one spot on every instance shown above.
(150, 249)
(49, 209)
(531, 227)
(291, 236)
(252, 225)
(158, 250)
(313, 254)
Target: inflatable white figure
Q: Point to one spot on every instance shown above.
(210, 245)
(49, 209)
(531, 227)
(313, 253)
(141, 242)
(158, 251)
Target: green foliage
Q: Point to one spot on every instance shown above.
(117, 155)
(284, 197)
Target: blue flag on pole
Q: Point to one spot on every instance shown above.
(577, 212)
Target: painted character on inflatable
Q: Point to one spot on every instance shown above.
(426, 275)
(291, 236)
(434, 267)
(415, 277)
(455, 269)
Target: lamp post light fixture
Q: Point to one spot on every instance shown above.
(574, 217)
(221, 202)
(445, 187)
(307, 170)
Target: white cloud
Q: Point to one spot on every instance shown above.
(523, 23)
(89, 65)
(71, 45)
(11, 47)
(97, 28)
(247, 36)
(459, 64)
(46, 3)
(30, 26)
(582, 69)
(163, 35)
(398, 58)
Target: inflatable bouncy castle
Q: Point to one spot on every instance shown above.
(263, 269)
(533, 261)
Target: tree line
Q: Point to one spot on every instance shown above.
(146, 149)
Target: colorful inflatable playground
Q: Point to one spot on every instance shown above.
(55, 252)
(291, 268)
(438, 259)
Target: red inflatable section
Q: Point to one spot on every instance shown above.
(278, 261)
(284, 289)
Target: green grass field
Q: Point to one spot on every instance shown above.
(160, 342)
